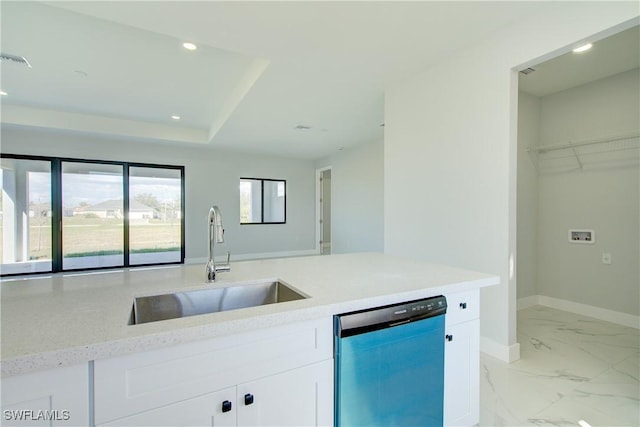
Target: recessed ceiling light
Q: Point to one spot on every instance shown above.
(3, 93)
(175, 117)
(189, 46)
(583, 48)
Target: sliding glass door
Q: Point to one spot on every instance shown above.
(26, 216)
(71, 214)
(92, 215)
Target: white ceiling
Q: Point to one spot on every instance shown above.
(613, 55)
(261, 69)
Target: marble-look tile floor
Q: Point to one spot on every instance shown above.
(574, 371)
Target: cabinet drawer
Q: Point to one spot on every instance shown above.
(462, 306)
(138, 382)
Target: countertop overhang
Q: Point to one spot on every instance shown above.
(67, 319)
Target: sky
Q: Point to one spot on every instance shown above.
(96, 188)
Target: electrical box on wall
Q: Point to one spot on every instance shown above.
(582, 236)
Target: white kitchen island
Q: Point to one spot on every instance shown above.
(205, 369)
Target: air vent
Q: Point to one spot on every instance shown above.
(15, 58)
(527, 71)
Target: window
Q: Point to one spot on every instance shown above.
(69, 214)
(262, 201)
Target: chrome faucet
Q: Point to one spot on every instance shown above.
(216, 235)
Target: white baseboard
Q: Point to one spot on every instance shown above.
(527, 302)
(583, 309)
(506, 353)
(246, 257)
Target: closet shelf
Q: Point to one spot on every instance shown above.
(589, 147)
(584, 143)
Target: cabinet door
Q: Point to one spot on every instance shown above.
(206, 410)
(57, 397)
(300, 397)
(461, 368)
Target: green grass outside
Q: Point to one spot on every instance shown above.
(96, 236)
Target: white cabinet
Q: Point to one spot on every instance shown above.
(462, 359)
(56, 397)
(300, 397)
(288, 370)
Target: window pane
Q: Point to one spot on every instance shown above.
(26, 216)
(155, 223)
(92, 215)
(250, 201)
(274, 201)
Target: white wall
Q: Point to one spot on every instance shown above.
(211, 177)
(450, 153)
(603, 196)
(605, 107)
(357, 198)
(527, 198)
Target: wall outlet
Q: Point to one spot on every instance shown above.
(606, 258)
(582, 236)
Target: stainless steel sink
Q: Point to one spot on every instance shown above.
(204, 301)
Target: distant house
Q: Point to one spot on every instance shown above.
(115, 209)
(138, 210)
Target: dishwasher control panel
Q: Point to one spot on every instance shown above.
(361, 321)
(428, 305)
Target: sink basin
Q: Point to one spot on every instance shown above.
(192, 303)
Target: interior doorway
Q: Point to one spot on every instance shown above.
(577, 169)
(323, 208)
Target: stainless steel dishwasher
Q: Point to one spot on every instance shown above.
(389, 365)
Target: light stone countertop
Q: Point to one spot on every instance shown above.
(67, 319)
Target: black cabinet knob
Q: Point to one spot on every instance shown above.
(448, 337)
(248, 399)
(463, 305)
(226, 406)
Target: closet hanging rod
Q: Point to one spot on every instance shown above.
(570, 145)
(572, 155)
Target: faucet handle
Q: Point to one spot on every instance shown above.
(224, 267)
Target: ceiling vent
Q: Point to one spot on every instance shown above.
(14, 58)
(527, 71)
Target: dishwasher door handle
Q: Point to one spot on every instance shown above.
(402, 322)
